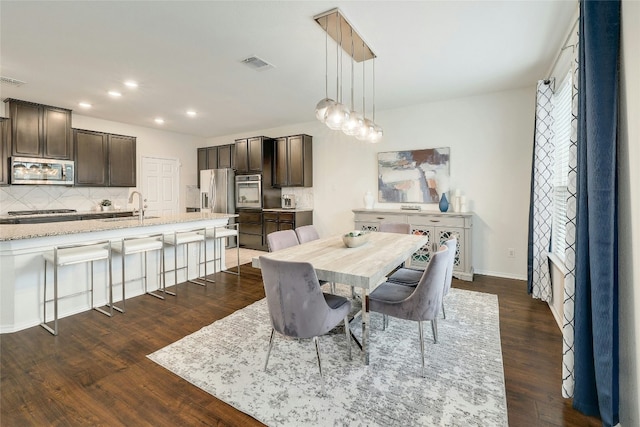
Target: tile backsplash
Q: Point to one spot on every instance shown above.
(82, 199)
(304, 196)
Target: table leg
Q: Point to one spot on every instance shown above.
(365, 325)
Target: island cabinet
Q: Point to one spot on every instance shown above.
(293, 161)
(104, 160)
(283, 220)
(40, 130)
(438, 226)
(5, 129)
(216, 157)
(249, 154)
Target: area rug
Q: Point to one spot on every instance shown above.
(464, 383)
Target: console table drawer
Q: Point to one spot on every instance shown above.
(381, 217)
(438, 221)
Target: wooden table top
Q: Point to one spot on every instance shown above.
(365, 266)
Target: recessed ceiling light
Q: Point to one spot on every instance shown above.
(159, 120)
(131, 84)
(115, 93)
(84, 105)
(191, 113)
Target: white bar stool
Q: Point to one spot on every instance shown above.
(140, 245)
(222, 232)
(184, 238)
(69, 255)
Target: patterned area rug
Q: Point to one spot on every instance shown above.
(464, 384)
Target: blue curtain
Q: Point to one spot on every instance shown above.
(596, 318)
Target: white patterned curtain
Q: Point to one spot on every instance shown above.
(541, 208)
(570, 242)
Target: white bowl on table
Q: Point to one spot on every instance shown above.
(355, 238)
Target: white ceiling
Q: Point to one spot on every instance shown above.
(187, 54)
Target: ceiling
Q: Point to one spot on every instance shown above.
(187, 55)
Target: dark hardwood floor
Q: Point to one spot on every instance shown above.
(96, 373)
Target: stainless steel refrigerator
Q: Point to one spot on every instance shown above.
(217, 193)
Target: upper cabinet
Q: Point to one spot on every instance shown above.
(249, 154)
(293, 161)
(40, 130)
(216, 157)
(104, 160)
(5, 128)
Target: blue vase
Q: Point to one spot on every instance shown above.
(444, 203)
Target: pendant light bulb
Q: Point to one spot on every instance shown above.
(376, 134)
(321, 108)
(336, 115)
(365, 130)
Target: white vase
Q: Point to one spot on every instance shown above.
(368, 200)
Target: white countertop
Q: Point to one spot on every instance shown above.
(85, 213)
(29, 231)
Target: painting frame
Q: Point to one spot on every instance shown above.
(413, 176)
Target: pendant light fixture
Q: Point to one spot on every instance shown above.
(321, 107)
(336, 115)
(375, 134)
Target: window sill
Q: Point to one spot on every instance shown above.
(559, 263)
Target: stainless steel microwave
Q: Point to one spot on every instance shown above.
(34, 171)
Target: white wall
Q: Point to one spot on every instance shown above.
(490, 137)
(153, 143)
(629, 216)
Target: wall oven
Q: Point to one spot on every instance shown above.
(27, 170)
(249, 191)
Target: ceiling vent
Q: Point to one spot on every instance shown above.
(10, 81)
(256, 63)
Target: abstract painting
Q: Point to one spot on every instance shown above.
(416, 176)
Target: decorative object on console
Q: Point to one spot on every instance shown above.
(368, 200)
(416, 176)
(334, 113)
(444, 203)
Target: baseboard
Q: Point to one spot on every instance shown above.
(500, 274)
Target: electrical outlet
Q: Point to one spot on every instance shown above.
(511, 253)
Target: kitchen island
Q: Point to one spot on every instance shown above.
(22, 264)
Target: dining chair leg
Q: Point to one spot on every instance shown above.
(434, 328)
(273, 331)
(315, 340)
(444, 314)
(348, 333)
(421, 345)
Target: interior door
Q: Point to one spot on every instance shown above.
(160, 180)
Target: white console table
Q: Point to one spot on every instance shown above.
(438, 226)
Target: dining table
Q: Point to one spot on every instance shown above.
(363, 267)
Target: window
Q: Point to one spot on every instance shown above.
(562, 142)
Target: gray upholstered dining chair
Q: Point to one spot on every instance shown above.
(297, 306)
(394, 227)
(307, 233)
(281, 240)
(411, 276)
(418, 303)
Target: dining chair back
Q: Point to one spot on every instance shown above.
(418, 304)
(297, 306)
(307, 233)
(281, 240)
(452, 245)
(394, 227)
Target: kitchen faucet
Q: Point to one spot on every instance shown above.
(140, 206)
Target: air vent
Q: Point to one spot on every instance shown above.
(256, 63)
(10, 81)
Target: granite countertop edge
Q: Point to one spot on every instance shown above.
(10, 232)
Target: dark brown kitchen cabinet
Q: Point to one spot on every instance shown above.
(5, 149)
(91, 152)
(122, 161)
(293, 161)
(251, 229)
(104, 160)
(249, 154)
(40, 130)
(278, 220)
(215, 157)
